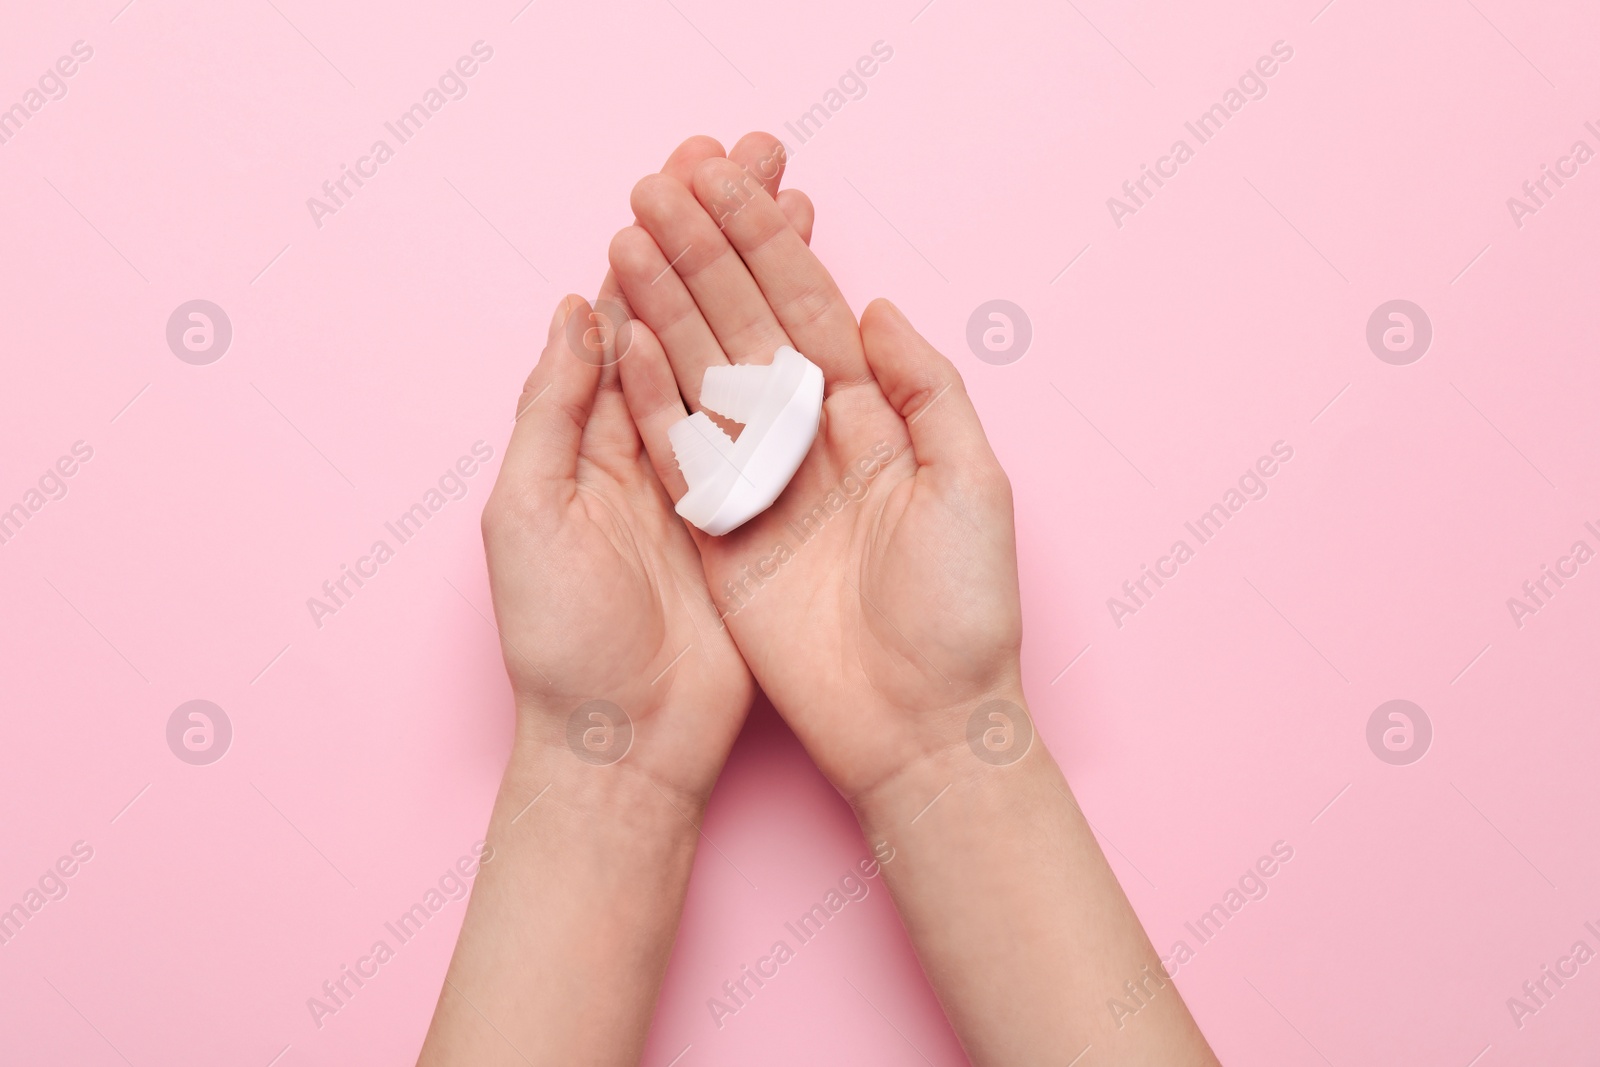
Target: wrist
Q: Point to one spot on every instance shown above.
(988, 746)
(602, 753)
(543, 772)
(573, 911)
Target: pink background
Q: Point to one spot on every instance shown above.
(1227, 314)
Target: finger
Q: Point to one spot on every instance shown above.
(689, 155)
(555, 405)
(763, 156)
(661, 302)
(680, 165)
(610, 432)
(800, 212)
(610, 435)
(796, 286)
(728, 297)
(927, 391)
(612, 304)
(651, 391)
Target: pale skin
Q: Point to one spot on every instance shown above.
(876, 637)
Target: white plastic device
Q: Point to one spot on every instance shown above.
(731, 482)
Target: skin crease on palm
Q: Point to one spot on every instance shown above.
(883, 632)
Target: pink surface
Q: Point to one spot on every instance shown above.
(1226, 313)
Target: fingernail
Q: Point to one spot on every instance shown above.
(560, 318)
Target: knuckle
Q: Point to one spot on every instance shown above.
(811, 306)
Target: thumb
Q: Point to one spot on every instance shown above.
(555, 403)
(926, 390)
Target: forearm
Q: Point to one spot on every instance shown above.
(572, 917)
(1018, 920)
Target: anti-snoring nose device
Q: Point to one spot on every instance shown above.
(731, 482)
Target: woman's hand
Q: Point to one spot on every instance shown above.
(877, 604)
(600, 596)
(598, 588)
(877, 600)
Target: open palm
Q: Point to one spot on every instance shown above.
(876, 601)
(599, 590)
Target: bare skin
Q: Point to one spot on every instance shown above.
(889, 623)
(885, 631)
(597, 590)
